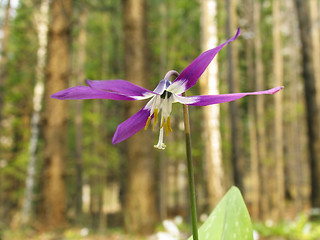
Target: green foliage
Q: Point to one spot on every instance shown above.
(301, 229)
(229, 220)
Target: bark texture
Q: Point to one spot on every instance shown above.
(209, 86)
(81, 59)
(58, 72)
(312, 107)
(279, 190)
(296, 164)
(315, 34)
(253, 190)
(140, 200)
(238, 162)
(264, 163)
(41, 21)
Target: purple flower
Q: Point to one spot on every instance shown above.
(161, 98)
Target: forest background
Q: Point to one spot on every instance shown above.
(58, 167)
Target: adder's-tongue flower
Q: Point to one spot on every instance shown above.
(159, 107)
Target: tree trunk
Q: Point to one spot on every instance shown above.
(140, 201)
(54, 197)
(278, 196)
(312, 107)
(296, 164)
(3, 58)
(41, 21)
(78, 120)
(209, 85)
(261, 135)
(315, 29)
(238, 162)
(253, 184)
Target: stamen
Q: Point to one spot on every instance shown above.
(169, 125)
(163, 120)
(155, 118)
(148, 123)
(166, 129)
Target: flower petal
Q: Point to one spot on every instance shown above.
(163, 84)
(84, 92)
(204, 100)
(131, 126)
(122, 87)
(190, 75)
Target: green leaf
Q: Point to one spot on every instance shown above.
(229, 220)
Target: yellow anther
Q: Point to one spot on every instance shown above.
(148, 123)
(163, 119)
(168, 122)
(166, 129)
(155, 118)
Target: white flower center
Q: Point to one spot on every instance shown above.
(161, 104)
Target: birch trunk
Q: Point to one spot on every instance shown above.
(209, 85)
(278, 196)
(41, 21)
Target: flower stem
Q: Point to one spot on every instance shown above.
(190, 172)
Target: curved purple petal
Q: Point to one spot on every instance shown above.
(190, 75)
(162, 85)
(204, 100)
(120, 86)
(131, 126)
(84, 92)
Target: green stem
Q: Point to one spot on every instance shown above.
(190, 172)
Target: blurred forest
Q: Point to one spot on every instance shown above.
(58, 167)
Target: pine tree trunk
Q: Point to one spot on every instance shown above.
(260, 106)
(238, 162)
(296, 164)
(209, 85)
(253, 185)
(41, 21)
(78, 120)
(315, 32)
(58, 72)
(312, 107)
(140, 200)
(278, 196)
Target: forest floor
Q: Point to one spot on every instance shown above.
(70, 234)
(301, 229)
